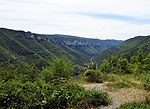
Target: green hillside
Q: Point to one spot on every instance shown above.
(25, 47)
(130, 46)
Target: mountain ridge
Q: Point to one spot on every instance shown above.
(26, 46)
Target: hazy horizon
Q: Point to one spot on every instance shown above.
(101, 19)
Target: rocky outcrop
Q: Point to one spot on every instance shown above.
(37, 37)
(72, 41)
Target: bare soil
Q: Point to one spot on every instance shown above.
(119, 96)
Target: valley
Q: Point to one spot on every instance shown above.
(39, 71)
(24, 47)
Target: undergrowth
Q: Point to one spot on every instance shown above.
(142, 105)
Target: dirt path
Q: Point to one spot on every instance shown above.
(119, 96)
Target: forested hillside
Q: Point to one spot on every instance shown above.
(24, 47)
(129, 47)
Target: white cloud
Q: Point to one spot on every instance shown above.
(59, 17)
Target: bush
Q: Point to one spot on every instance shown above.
(115, 64)
(121, 85)
(97, 98)
(37, 95)
(19, 72)
(24, 89)
(15, 94)
(10, 94)
(94, 76)
(147, 84)
(134, 106)
(59, 68)
(143, 105)
(93, 99)
(71, 95)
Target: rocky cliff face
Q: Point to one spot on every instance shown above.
(37, 36)
(78, 41)
(72, 40)
(86, 46)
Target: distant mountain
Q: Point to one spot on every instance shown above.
(129, 46)
(85, 46)
(24, 47)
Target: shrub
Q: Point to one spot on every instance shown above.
(98, 98)
(121, 85)
(10, 94)
(147, 84)
(94, 76)
(60, 67)
(15, 94)
(142, 105)
(37, 95)
(75, 96)
(93, 99)
(50, 90)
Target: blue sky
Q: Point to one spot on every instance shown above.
(103, 19)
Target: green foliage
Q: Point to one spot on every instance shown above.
(121, 64)
(23, 87)
(94, 76)
(125, 81)
(143, 105)
(93, 99)
(115, 64)
(59, 68)
(129, 46)
(134, 106)
(59, 80)
(98, 98)
(147, 84)
(121, 85)
(14, 94)
(7, 73)
(62, 67)
(19, 72)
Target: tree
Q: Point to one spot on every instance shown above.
(59, 68)
(115, 64)
(105, 66)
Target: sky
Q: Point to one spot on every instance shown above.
(102, 19)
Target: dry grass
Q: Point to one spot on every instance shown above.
(119, 96)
